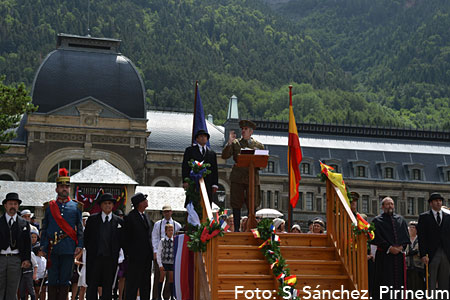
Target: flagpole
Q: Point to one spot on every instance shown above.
(289, 173)
(195, 111)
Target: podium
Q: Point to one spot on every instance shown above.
(251, 161)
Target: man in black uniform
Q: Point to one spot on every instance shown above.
(102, 240)
(201, 152)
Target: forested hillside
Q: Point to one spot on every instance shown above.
(347, 63)
(398, 49)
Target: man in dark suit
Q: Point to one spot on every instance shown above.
(138, 249)
(102, 240)
(201, 152)
(434, 244)
(15, 247)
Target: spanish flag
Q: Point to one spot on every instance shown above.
(294, 155)
(363, 224)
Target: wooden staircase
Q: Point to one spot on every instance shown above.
(328, 261)
(311, 257)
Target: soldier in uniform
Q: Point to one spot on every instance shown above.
(62, 237)
(239, 176)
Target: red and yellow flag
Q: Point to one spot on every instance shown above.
(294, 155)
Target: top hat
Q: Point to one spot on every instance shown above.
(247, 123)
(12, 196)
(106, 197)
(138, 198)
(435, 196)
(63, 177)
(201, 131)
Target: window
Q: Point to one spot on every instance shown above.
(305, 168)
(335, 167)
(389, 173)
(309, 201)
(276, 199)
(365, 204)
(448, 175)
(416, 174)
(411, 207)
(270, 167)
(269, 199)
(375, 208)
(402, 208)
(319, 204)
(6, 177)
(421, 205)
(361, 171)
(73, 166)
(325, 202)
(162, 183)
(300, 201)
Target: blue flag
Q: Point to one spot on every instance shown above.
(199, 117)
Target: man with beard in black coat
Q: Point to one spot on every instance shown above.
(391, 239)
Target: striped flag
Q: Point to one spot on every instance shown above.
(294, 155)
(183, 268)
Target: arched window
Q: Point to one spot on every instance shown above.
(162, 183)
(6, 177)
(72, 165)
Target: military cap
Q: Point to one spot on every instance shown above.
(63, 177)
(435, 196)
(247, 123)
(12, 196)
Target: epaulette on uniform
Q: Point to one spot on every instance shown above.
(79, 204)
(46, 204)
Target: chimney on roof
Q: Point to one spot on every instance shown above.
(233, 111)
(210, 118)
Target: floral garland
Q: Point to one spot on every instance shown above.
(198, 170)
(364, 227)
(200, 236)
(271, 251)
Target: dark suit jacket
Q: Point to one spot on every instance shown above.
(431, 235)
(210, 157)
(137, 237)
(91, 238)
(23, 237)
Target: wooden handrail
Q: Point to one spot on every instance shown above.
(352, 249)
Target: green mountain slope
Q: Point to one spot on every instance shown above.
(397, 49)
(233, 47)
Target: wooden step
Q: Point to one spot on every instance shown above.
(310, 267)
(287, 239)
(288, 252)
(322, 282)
(243, 266)
(248, 281)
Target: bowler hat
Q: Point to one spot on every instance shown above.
(435, 196)
(106, 197)
(247, 123)
(12, 196)
(138, 198)
(201, 131)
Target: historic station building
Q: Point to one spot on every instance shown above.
(92, 107)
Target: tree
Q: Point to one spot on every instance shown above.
(14, 103)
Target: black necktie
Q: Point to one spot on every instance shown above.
(438, 218)
(202, 151)
(145, 221)
(106, 219)
(11, 222)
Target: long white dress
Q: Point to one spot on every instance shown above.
(82, 270)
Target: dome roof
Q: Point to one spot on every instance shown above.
(84, 67)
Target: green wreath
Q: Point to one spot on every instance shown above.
(198, 170)
(200, 236)
(271, 251)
